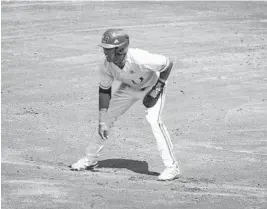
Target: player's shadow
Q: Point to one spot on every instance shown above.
(133, 165)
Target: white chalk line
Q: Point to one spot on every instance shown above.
(27, 163)
(29, 4)
(101, 28)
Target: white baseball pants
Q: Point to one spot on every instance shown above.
(121, 101)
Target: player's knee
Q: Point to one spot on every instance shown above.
(152, 120)
(149, 118)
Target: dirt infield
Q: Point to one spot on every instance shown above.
(216, 108)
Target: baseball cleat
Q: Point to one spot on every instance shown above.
(169, 173)
(83, 164)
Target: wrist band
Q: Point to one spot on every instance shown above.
(103, 110)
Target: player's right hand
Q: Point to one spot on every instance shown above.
(103, 131)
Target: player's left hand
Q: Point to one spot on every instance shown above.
(153, 95)
(103, 131)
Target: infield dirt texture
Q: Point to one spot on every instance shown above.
(216, 106)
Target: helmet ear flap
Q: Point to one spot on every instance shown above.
(119, 51)
(122, 49)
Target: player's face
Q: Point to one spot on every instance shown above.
(110, 54)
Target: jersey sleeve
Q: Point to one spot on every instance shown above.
(150, 61)
(106, 79)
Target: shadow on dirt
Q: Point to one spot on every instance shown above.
(133, 165)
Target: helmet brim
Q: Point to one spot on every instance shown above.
(107, 46)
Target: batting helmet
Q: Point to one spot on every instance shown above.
(115, 38)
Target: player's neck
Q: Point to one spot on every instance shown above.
(121, 63)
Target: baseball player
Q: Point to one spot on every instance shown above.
(143, 75)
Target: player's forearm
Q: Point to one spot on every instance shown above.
(104, 99)
(163, 76)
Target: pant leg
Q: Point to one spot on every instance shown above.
(120, 102)
(161, 134)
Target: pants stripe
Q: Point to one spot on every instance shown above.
(167, 140)
(164, 131)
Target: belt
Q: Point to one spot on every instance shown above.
(127, 85)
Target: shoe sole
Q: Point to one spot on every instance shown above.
(91, 167)
(176, 177)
